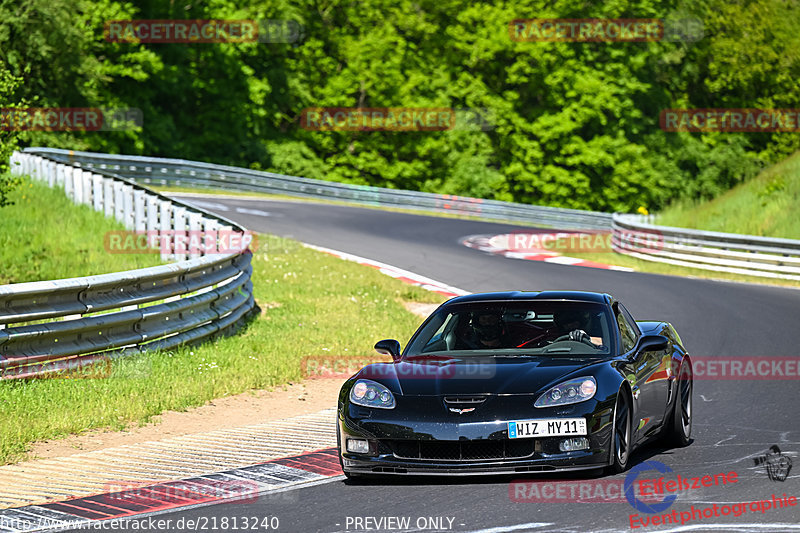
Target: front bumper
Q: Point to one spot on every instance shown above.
(440, 444)
(383, 465)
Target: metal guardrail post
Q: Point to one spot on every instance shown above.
(151, 214)
(61, 170)
(77, 185)
(51, 173)
(195, 224)
(87, 187)
(180, 236)
(139, 222)
(167, 234)
(119, 202)
(211, 227)
(127, 206)
(108, 196)
(16, 163)
(97, 192)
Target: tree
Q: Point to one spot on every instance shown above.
(8, 137)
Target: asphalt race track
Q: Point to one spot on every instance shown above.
(735, 421)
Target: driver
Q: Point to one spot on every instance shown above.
(572, 325)
(488, 328)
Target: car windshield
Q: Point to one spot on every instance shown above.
(541, 327)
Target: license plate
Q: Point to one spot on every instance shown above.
(546, 427)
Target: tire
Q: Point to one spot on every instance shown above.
(621, 434)
(678, 429)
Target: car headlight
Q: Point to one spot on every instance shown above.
(572, 391)
(371, 394)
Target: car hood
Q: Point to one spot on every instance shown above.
(433, 376)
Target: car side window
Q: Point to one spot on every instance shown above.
(437, 342)
(627, 334)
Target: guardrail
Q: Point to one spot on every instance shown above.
(177, 172)
(708, 250)
(84, 320)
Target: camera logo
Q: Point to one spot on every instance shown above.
(778, 465)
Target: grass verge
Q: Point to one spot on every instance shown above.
(45, 236)
(765, 205)
(313, 304)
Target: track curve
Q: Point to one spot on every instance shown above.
(735, 421)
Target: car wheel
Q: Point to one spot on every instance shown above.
(678, 430)
(621, 434)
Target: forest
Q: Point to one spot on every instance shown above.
(558, 122)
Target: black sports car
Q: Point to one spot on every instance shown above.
(514, 382)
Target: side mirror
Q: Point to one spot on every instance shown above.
(388, 347)
(653, 343)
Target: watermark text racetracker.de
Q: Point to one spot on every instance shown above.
(397, 119)
(731, 120)
(238, 491)
(202, 31)
(433, 367)
(203, 242)
(593, 30)
(646, 494)
(745, 368)
(588, 241)
(70, 119)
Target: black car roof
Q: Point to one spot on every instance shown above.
(581, 296)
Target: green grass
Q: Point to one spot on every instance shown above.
(766, 205)
(45, 236)
(313, 304)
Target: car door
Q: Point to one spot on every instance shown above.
(649, 372)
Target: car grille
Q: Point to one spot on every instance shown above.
(465, 450)
(463, 402)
